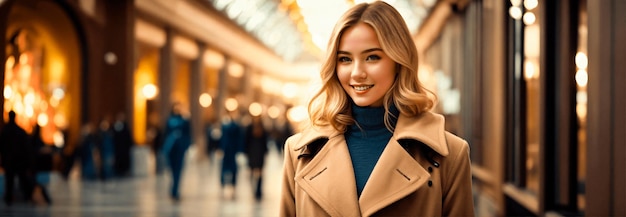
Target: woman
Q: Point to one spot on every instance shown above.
(373, 147)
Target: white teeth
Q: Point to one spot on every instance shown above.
(362, 88)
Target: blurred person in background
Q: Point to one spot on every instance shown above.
(282, 132)
(213, 135)
(106, 149)
(230, 145)
(16, 152)
(155, 136)
(123, 141)
(177, 139)
(85, 151)
(256, 148)
(44, 161)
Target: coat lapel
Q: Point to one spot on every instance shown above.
(396, 175)
(329, 179)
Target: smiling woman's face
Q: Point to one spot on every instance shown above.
(365, 72)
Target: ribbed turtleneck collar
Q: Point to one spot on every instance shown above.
(371, 118)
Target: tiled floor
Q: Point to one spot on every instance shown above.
(147, 195)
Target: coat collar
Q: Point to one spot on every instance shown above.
(428, 128)
(329, 177)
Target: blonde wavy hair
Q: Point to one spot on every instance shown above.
(331, 104)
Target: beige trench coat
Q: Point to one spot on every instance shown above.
(423, 171)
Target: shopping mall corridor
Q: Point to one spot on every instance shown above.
(146, 194)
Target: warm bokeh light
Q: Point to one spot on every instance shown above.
(231, 104)
(530, 4)
(10, 63)
(149, 91)
(273, 112)
(8, 92)
(29, 99)
(581, 97)
(529, 18)
(235, 70)
(529, 70)
(290, 90)
(42, 119)
(581, 110)
(255, 109)
(54, 102)
(29, 111)
(515, 12)
(581, 60)
(58, 139)
(271, 85)
(58, 93)
(213, 59)
(205, 100)
(581, 77)
(60, 120)
(297, 114)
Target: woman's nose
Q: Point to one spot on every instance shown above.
(358, 71)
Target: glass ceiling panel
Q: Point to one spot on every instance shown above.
(293, 28)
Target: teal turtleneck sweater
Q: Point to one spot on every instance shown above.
(367, 143)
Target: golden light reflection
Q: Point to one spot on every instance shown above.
(515, 12)
(42, 119)
(8, 92)
(58, 139)
(235, 69)
(58, 93)
(297, 114)
(581, 77)
(290, 90)
(231, 104)
(60, 120)
(529, 18)
(150, 91)
(273, 112)
(255, 109)
(581, 60)
(530, 4)
(205, 100)
(530, 71)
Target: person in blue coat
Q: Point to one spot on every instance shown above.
(177, 140)
(231, 143)
(106, 148)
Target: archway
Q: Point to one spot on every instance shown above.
(42, 80)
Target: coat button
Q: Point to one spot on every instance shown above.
(430, 169)
(430, 183)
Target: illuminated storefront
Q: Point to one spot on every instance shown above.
(42, 70)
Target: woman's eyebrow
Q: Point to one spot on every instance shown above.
(365, 51)
(372, 50)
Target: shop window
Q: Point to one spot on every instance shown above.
(547, 99)
(524, 99)
(581, 78)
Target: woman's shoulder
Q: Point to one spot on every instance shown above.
(309, 135)
(456, 143)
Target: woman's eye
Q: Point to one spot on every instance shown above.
(372, 58)
(344, 60)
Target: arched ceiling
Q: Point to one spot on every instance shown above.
(298, 30)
